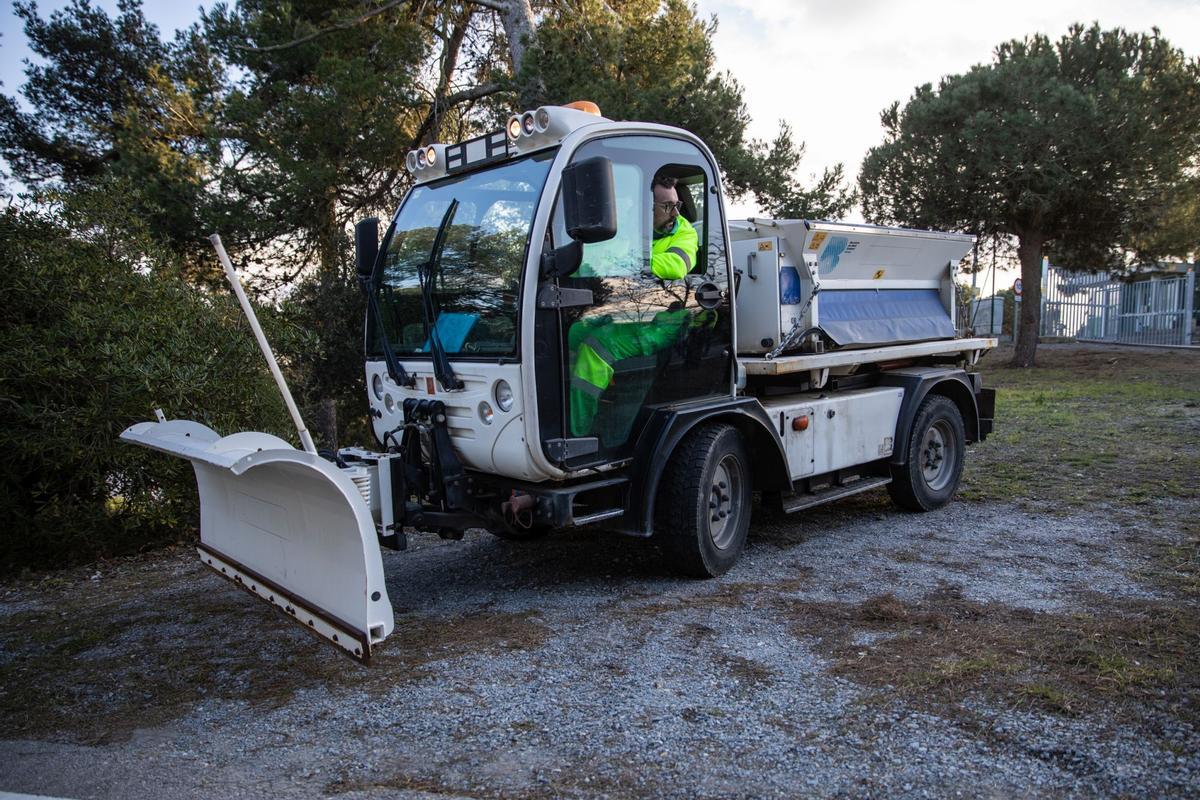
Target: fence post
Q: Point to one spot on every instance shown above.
(1016, 320)
(1189, 310)
(1044, 283)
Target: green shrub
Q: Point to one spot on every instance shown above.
(98, 331)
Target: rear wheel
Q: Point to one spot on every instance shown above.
(936, 451)
(703, 504)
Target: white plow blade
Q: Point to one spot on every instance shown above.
(287, 526)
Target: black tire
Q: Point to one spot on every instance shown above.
(933, 467)
(702, 510)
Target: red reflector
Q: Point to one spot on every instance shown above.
(800, 423)
(429, 384)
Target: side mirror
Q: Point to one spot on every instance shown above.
(366, 246)
(589, 200)
(562, 261)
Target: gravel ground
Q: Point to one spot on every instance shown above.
(573, 668)
(1039, 637)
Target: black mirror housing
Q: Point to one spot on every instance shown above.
(562, 261)
(366, 246)
(589, 200)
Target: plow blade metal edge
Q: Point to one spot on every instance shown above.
(285, 525)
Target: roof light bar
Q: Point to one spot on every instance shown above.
(427, 163)
(547, 125)
(484, 149)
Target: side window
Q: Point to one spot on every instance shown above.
(636, 161)
(644, 338)
(690, 187)
(624, 254)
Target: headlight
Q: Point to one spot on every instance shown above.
(430, 155)
(527, 123)
(504, 396)
(410, 160)
(541, 119)
(422, 160)
(514, 127)
(377, 386)
(485, 412)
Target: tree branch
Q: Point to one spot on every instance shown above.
(341, 26)
(449, 63)
(474, 93)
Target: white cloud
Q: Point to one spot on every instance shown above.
(829, 68)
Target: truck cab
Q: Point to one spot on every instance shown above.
(512, 321)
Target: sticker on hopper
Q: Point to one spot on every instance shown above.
(818, 237)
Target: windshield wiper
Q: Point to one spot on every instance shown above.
(426, 274)
(394, 368)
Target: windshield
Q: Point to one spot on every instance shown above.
(475, 283)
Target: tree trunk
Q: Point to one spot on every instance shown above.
(1029, 251)
(517, 19)
(328, 258)
(516, 16)
(325, 426)
(431, 126)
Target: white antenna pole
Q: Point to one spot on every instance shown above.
(230, 273)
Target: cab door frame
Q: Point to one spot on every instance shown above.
(718, 241)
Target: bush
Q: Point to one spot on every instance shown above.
(98, 331)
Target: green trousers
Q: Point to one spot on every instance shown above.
(600, 343)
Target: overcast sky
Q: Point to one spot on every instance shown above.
(826, 67)
(829, 68)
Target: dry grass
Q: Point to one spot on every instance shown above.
(1091, 425)
(94, 666)
(945, 647)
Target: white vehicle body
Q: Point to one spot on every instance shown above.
(840, 372)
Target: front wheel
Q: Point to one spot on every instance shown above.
(703, 504)
(936, 451)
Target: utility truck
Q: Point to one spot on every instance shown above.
(802, 360)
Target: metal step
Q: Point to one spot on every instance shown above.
(798, 502)
(588, 519)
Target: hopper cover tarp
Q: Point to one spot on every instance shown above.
(857, 317)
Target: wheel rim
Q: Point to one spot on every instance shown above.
(725, 501)
(938, 458)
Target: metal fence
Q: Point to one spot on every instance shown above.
(987, 316)
(1099, 307)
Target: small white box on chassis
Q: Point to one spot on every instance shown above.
(843, 430)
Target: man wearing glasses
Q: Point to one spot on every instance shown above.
(674, 251)
(602, 346)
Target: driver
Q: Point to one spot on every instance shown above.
(674, 252)
(672, 256)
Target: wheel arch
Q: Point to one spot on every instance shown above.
(668, 427)
(952, 383)
(964, 398)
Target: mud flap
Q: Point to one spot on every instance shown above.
(286, 526)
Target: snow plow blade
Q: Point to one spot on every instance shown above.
(287, 526)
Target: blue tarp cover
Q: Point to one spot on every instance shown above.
(883, 316)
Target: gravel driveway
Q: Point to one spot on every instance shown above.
(987, 649)
(573, 668)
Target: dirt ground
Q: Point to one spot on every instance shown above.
(1040, 636)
